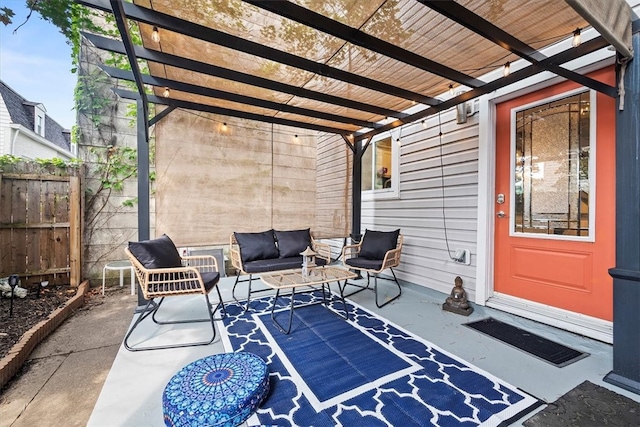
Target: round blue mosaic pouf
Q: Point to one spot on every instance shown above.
(218, 390)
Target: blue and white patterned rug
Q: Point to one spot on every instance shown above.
(363, 372)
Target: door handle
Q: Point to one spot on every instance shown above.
(501, 214)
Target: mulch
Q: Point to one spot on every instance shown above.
(28, 312)
(588, 405)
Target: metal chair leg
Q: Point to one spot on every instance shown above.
(375, 279)
(152, 310)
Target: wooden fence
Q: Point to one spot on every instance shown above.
(40, 227)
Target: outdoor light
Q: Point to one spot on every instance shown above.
(43, 284)
(13, 282)
(155, 35)
(224, 127)
(450, 89)
(424, 124)
(166, 92)
(576, 38)
(507, 69)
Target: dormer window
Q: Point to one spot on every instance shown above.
(39, 116)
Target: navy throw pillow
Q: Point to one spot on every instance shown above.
(254, 246)
(156, 253)
(291, 243)
(375, 244)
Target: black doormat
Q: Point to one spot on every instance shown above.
(540, 347)
(588, 405)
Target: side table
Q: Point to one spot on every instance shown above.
(120, 266)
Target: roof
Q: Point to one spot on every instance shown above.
(347, 66)
(22, 113)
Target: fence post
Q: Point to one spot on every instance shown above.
(75, 231)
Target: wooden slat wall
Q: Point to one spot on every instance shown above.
(249, 177)
(35, 227)
(335, 161)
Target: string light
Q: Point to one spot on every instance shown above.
(450, 89)
(576, 38)
(424, 124)
(155, 35)
(507, 69)
(224, 127)
(166, 92)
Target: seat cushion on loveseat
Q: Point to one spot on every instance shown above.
(292, 243)
(275, 264)
(257, 246)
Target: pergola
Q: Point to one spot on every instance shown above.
(358, 68)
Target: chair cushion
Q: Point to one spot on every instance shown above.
(292, 243)
(221, 390)
(255, 246)
(364, 263)
(156, 253)
(375, 244)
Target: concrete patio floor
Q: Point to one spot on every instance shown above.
(131, 394)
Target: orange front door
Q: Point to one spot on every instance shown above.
(555, 198)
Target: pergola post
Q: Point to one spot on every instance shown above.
(144, 215)
(626, 273)
(356, 192)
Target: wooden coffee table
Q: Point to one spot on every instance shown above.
(293, 279)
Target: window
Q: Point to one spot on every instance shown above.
(39, 115)
(553, 172)
(380, 168)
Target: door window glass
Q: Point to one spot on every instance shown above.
(552, 167)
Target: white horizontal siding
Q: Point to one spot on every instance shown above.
(424, 209)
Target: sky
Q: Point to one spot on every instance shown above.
(36, 63)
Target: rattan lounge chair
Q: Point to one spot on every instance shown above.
(376, 252)
(162, 272)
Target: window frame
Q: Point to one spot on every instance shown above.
(393, 191)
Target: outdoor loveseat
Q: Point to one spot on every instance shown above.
(272, 250)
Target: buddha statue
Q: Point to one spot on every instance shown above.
(457, 300)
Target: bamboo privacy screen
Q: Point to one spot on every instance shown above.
(40, 228)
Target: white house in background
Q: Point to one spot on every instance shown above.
(27, 131)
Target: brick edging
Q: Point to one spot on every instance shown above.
(13, 361)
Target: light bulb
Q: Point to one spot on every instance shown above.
(424, 124)
(155, 35)
(451, 89)
(224, 127)
(576, 38)
(507, 69)
(166, 92)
